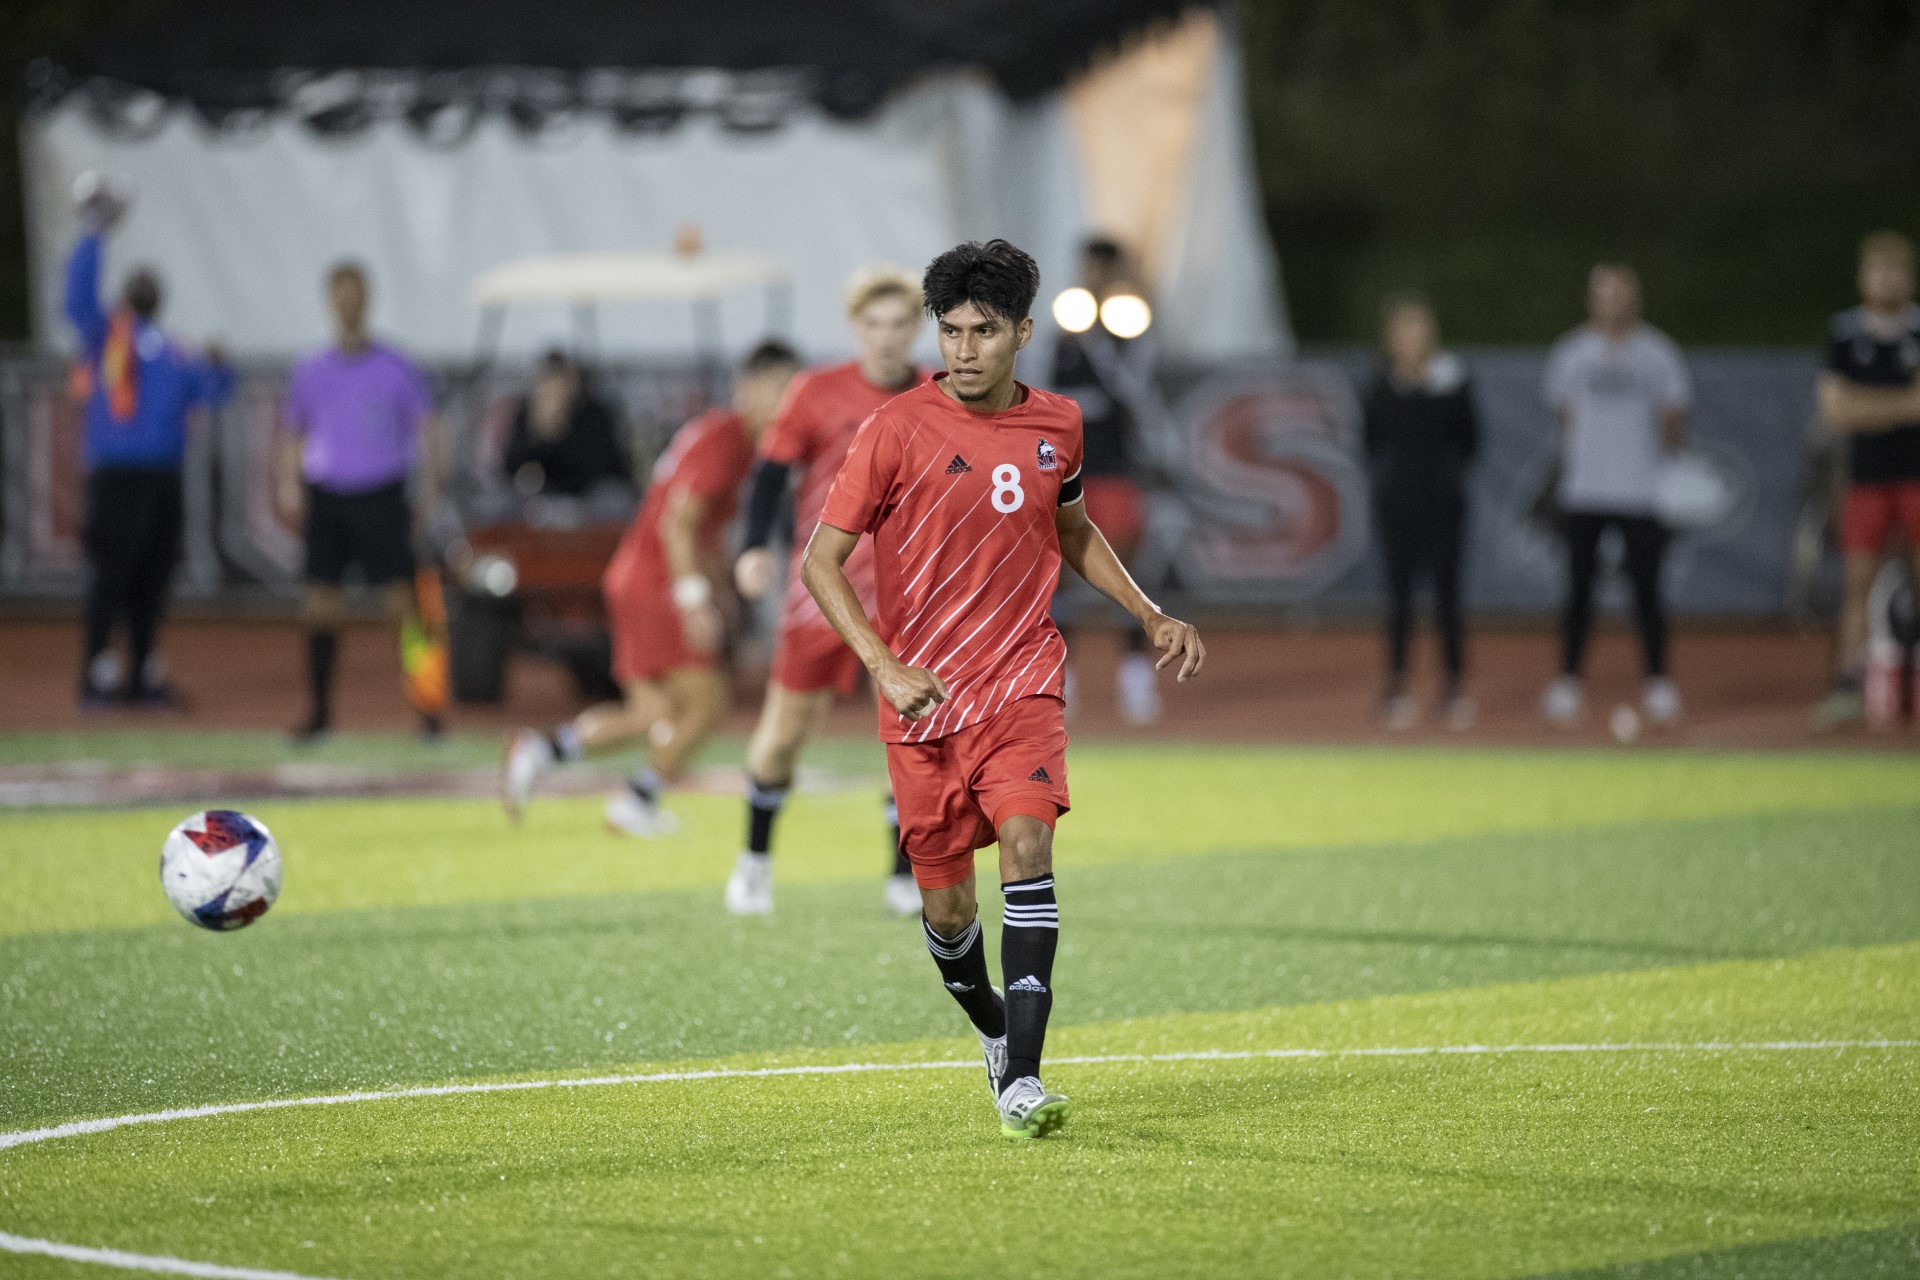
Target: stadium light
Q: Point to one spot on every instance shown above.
(1125, 315)
(1075, 310)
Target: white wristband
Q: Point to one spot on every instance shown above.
(692, 591)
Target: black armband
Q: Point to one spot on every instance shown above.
(764, 502)
(1071, 490)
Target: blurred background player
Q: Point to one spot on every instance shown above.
(816, 423)
(359, 415)
(1622, 395)
(1870, 393)
(667, 627)
(970, 488)
(136, 388)
(1421, 433)
(1107, 376)
(565, 441)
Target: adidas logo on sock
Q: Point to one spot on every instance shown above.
(1028, 983)
(959, 988)
(958, 467)
(1040, 775)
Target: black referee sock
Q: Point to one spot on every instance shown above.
(1027, 943)
(902, 865)
(322, 646)
(963, 969)
(763, 806)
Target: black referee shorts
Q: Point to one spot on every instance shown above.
(373, 530)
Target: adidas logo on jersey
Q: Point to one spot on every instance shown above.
(1029, 983)
(1040, 775)
(958, 467)
(1048, 458)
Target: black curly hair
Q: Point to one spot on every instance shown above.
(996, 277)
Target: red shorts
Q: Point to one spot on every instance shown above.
(648, 640)
(1117, 505)
(810, 659)
(1873, 511)
(954, 792)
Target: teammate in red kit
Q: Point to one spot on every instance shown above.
(811, 432)
(666, 629)
(970, 486)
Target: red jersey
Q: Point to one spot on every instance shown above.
(961, 508)
(813, 429)
(709, 456)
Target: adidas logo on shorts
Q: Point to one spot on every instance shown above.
(958, 467)
(1040, 775)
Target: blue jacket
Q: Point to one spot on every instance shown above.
(171, 381)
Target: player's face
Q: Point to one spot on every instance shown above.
(1613, 298)
(1886, 282)
(1411, 336)
(978, 347)
(756, 396)
(884, 331)
(347, 295)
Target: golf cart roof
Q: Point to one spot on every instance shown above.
(624, 277)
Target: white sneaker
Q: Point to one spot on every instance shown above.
(628, 814)
(1561, 704)
(995, 1049)
(528, 753)
(750, 887)
(1400, 713)
(1028, 1111)
(903, 895)
(1661, 701)
(1139, 691)
(1461, 712)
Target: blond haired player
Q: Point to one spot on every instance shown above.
(803, 448)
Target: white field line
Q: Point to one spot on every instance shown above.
(181, 1266)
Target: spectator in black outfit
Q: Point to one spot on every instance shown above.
(564, 440)
(1421, 434)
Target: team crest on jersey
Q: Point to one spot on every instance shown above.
(1048, 458)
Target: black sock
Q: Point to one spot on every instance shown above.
(646, 784)
(902, 864)
(763, 806)
(321, 648)
(1032, 931)
(963, 969)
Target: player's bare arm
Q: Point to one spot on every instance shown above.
(1851, 409)
(1085, 548)
(912, 691)
(1674, 427)
(692, 591)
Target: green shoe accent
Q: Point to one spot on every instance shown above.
(1041, 1121)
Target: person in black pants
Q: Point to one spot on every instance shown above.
(137, 389)
(1421, 433)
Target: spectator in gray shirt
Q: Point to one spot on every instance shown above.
(1621, 393)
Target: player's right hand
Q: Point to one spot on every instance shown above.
(290, 503)
(753, 572)
(912, 691)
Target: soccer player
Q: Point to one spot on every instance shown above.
(1870, 393)
(660, 604)
(970, 486)
(816, 422)
(359, 415)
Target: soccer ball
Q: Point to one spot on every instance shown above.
(221, 869)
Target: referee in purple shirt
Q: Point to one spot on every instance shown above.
(358, 419)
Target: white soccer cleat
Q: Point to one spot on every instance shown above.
(995, 1050)
(1561, 703)
(1139, 692)
(903, 895)
(750, 887)
(629, 815)
(1461, 713)
(1027, 1110)
(1400, 713)
(528, 753)
(1661, 701)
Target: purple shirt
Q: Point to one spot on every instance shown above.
(360, 414)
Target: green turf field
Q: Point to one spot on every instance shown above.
(1322, 1013)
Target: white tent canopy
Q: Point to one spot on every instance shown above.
(625, 277)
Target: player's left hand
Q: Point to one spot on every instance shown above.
(753, 572)
(1177, 640)
(702, 627)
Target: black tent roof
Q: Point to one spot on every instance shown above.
(222, 54)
